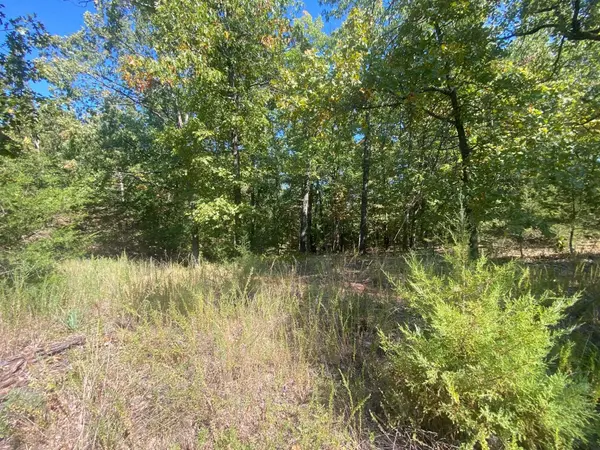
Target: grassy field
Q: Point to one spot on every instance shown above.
(257, 353)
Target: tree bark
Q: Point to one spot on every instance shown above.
(465, 155)
(406, 229)
(366, 164)
(235, 151)
(237, 189)
(306, 217)
(182, 120)
(572, 230)
(465, 151)
(386, 234)
(195, 246)
(253, 204)
(318, 234)
(336, 244)
(571, 236)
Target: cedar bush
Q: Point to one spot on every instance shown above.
(474, 362)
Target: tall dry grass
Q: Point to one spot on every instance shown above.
(251, 354)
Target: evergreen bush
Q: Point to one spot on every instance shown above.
(473, 362)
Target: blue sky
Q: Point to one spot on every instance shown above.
(66, 16)
(59, 16)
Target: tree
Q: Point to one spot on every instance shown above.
(223, 126)
(218, 60)
(574, 20)
(17, 70)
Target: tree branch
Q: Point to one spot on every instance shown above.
(555, 67)
(104, 81)
(438, 116)
(532, 30)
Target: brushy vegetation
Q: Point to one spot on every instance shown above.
(274, 353)
(475, 360)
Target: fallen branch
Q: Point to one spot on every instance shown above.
(13, 370)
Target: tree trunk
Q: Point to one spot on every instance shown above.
(318, 235)
(366, 163)
(182, 120)
(336, 245)
(521, 246)
(305, 217)
(386, 236)
(465, 155)
(412, 227)
(235, 151)
(571, 236)
(311, 199)
(253, 205)
(572, 230)
(237, 189)
(195, 246)
(405, 230)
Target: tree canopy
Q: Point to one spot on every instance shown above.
(210, 129)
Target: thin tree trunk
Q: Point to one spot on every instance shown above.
(422, 230)
(311, 240)
(195, 246)
(253, 220)
(571, 236)
(336, 246)
(305, 217)
(366, 163)
(521, 246)
(182, 120)
(572, 230)
(318, 238)
(386, 235)
(235, 151)
(465, 155)
(237, 189)
(406, 230)
(411, 228)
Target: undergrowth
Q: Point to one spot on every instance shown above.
(249, 354)
(475, 361)
(300, 354)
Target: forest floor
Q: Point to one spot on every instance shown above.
(257, 353)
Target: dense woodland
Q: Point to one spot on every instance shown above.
(168, 172)
(216, 128)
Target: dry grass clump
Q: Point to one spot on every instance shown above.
(217, 356)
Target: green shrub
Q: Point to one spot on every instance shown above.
(473, 363)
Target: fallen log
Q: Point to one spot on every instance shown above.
(59, 347)
(13, 371)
